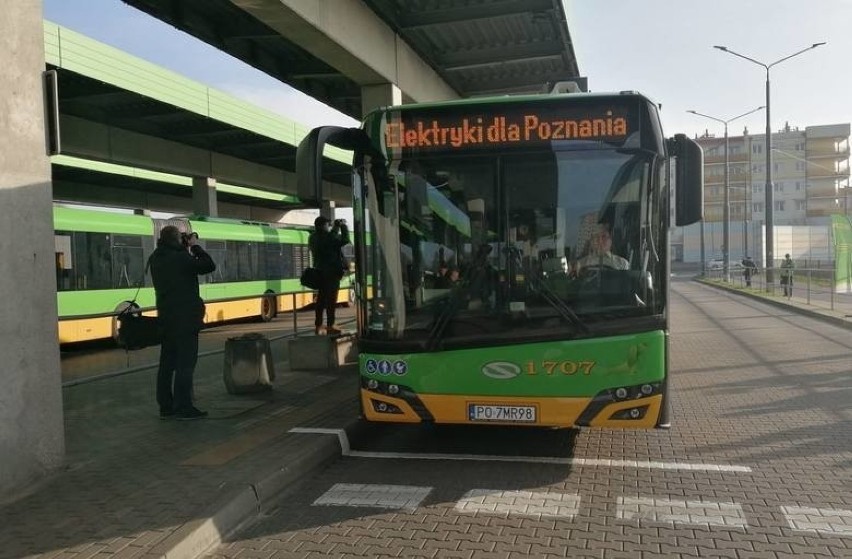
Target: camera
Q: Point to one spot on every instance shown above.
(185, 237)
(339, 222)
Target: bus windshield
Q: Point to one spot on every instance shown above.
(547, 245)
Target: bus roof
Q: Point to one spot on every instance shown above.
(94, 221)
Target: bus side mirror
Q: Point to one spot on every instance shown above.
(689, 180)
(309, 183)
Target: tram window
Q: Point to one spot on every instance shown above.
(279, 261)
(64, 262)
(301, 259)
(92, 261)
(242, 258)
(128, 263)
(217, 251)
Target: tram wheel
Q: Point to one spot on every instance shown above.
(268, 307)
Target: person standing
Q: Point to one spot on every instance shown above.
(175, 266)
(787, 275)
(325, 243)
(749, 269)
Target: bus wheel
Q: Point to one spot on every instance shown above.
(268, 307)
(119, 308)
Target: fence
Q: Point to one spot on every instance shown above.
(816, 287)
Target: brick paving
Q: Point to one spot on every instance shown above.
(132, 482)
(754, 386)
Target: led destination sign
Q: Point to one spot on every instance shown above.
(504, 128)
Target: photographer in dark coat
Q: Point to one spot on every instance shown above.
(175, 266)
(326, 243)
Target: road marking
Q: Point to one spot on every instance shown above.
(833, 522)
(695, 513)
(407, 497)
(534, 504)
(593, 462)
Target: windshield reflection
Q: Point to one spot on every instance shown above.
(537, 244)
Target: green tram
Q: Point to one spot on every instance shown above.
(553, 214)
(101, 256)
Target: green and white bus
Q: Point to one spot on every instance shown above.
(554, 211)
(101, 255)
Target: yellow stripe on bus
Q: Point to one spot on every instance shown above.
(88, 329)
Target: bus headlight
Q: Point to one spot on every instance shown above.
(384, 407)
(647, 389)
(621, 393)
(630, 413)
(372, 384)
(393, 389)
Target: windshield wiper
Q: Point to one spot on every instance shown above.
(557, 303)
(550, 296)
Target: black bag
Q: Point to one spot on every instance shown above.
(311, 278)
(137, 331)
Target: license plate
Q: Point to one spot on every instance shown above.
(510, 414)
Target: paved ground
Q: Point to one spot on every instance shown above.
(757, 464)
(136, 486)
(811, 290)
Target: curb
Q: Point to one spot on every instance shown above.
(819, 315)
(198, 536)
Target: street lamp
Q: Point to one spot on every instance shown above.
(726, 227)
(768, 198)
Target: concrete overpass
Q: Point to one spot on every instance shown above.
(355, 55)
(154, 131)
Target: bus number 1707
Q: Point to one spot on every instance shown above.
(560, 367)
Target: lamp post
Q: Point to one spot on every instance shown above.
(726, 226)
(768, 198)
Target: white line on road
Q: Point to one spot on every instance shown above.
(693, 513)
(536, 504)
(407, 497)
(594, 462)
(832, 522)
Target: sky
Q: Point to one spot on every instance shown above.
(662, 48)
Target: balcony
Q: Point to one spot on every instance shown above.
(732, 158)
(815, 172)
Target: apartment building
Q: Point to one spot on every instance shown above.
(810, 177)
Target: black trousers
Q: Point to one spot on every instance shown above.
(178, 356)
(326, 300)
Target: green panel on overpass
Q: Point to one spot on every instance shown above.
(77, 53)
(168, 178)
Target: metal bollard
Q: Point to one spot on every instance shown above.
(295, 318)
(831, 290)
(809, 286)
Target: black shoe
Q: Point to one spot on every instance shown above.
(190, 414)
(167, 414)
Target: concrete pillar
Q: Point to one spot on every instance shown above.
(379, 95)
(31, 423)
(204, 196)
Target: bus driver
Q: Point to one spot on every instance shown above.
(600, 254)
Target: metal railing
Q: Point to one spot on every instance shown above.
(815, 287)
